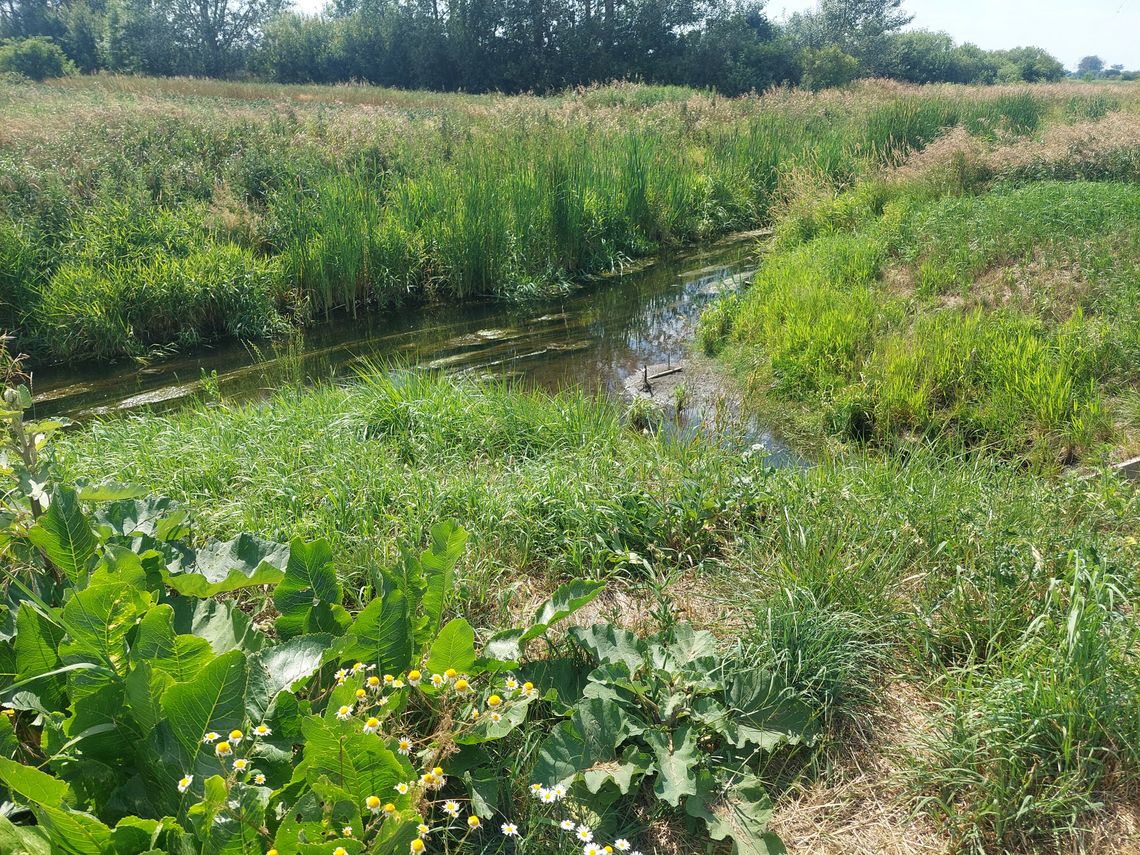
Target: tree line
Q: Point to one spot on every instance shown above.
(506, 45)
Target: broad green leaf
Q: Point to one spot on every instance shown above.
(65, 535)
(454, 647)
(32, 785)
(676, 755)
(36, 647)
(308, 598)
(131, 516)
(566, 600)
(98, 619)
(244, 562)
(303, 819)
(357, 762)
(180, 656)
(741, 812)
(438, 563)
(220, 622)
(144, 690)
(623, 774)
(503, 647)
(612, 644)
(213, 700)
(109, 492)
(765, 713)
(22, 840)
(276, 668)
(74, 833)
(382, 632)
(593, 736)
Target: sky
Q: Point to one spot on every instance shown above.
(1068, 29)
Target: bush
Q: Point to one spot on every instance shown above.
(37, 58)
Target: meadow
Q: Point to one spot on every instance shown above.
(248, 208)
(415, 612)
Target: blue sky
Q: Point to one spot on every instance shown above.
(1068, 29)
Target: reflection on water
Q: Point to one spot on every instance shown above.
(594, 338)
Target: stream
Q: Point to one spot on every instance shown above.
(600, 337)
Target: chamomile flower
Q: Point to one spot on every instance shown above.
(358, 667)
(451, 809)
(271, 852)
(451, 673)
(402, 788)
(423, 830)
(528, 689)
(372, 725)
(344, 713)
(592, 849)
(397, 684)
(382, 700)
(495, 718)
(259, 778)
(437, 680)
(223, 749)
(341, 676)
(512, 684)
(559, 791)
(346, 831)
(241, 764)
(373, 804)
(509, 829)
(494, 701)
(547, 797)
(566, 825)
(462, 686)
(404, 745)
(389, 809)
(622, 845)
(427, 779)
(535, 789)
(417, 846)
(361, 694)
(414, 678)
(262, 730)
(211, 737)
(388, 678)
(235, 736)
(340, 850)
(584, 834)
(473, 821)
(374, 683)
(185, 783)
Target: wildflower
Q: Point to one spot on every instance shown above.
(374, 683)
(388, 678)
(451, 809)
(397, 684)
(451, 673)
(427, 779)
(372, 725)
(361, 694)
(473, 821)
(340, 850)
(567, 825)
(211, 737)
(271, 852)
(559, 791)
(437, 680)
(262, 730)
(344, 713)
(346, 831)
(358, 667)
(512, 684)
(223, 749)
(609, 850)
(389, 809)
(414, 678)
(622, 845)
(423, 830)
(341, 676)
(462, 686)
(496, 718)
(402, 788)
(547, 797)
(510, 829)
(591, 849)
(404, 746)
(184, 784)
(373, 804)
(494, 701)
(259, 778)
(417, 846)
(382, 700)
(584, 834)
(235, 736)
(535, 789)
(241, 764)
(528, 688)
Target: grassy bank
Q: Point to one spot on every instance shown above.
(1001, 597)
(978, 295)
(141, 215)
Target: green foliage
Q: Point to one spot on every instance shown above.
(36, 58)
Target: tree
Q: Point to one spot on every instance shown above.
(1028, 65)
(35, 58)
(216, 33)
(828, 67)
(1090, 66)
(859, 28)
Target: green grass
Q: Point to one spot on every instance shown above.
(163, 214)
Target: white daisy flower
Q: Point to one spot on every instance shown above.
(344, 713)
(241, 764)
(185, 783)
(451, 809)
(373, 804)
(566, 825)
(211, 737)
(402, 788)
(404, 746)
(559, 791)
(584, 834)
(547, 797)
(259, 778)
(510, 829)
(622, 845)
(372, 725)
(262, 730)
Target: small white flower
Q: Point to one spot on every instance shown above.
(451, 809)
(358, 667)
(584, 834)
(510, 829)
(259, 778)
(241, 764)
(512, 684)
(235, 736)
(262, 730)
(567, 825)
(592, 849)
(622, 845)
(341, 676)
(495, 718)
(547, 797)
(346, 831)
(344, 713)
(211, 737)
(372, 725)
(423, 830)
(559, 791)
(535, 789)
(185, 783)
(404, 746)
(437, 680)
(402, 788)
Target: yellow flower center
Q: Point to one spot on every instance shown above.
(494, 701)
(414, 675)
(417, 845)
